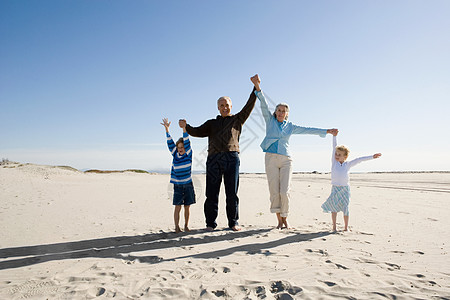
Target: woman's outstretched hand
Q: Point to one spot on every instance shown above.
(333, 131)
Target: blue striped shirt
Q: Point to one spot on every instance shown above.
(181, 164)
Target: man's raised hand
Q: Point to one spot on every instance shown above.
(182, 123)
(256, 81)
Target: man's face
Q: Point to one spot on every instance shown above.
(224, 106)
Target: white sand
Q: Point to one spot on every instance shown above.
(70, 235)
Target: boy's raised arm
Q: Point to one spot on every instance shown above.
(170, 142)
(166, 124)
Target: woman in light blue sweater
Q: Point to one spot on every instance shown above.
(278, 162)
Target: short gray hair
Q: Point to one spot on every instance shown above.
(223, 98)
(287, 110)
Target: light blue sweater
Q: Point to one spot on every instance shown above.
(278, 134)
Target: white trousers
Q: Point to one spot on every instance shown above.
(279, 173)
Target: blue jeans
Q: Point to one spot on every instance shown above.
(224, 164)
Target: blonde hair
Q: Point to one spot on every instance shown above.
(287, 110)
(343, 149)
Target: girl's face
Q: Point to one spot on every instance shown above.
(180, 148)
(281, 113)
(340, 156)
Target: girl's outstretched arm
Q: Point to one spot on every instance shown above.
(358, 160)
(333, 152)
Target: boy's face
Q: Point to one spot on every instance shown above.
(340, 156)
(180, 148)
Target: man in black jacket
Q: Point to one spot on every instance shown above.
(223, 134)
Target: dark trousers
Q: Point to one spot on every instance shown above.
(226, 165)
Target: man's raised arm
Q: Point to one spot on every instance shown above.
(247, 109)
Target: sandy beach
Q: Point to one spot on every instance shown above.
(66, 234)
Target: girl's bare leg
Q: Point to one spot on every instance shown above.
(333, 218)
(186, 217)
(280, 221)
(285, 224)
(346, 223)
(176, 218)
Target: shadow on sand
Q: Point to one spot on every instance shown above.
(120, 247)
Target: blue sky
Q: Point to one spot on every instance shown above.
(86, 83)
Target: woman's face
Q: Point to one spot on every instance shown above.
(281, 113)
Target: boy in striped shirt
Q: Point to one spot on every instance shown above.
(180, 175)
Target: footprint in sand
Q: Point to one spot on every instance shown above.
(282, 287)
(329, 283)
(337, 265)
(421, 276)
(393, 266)
(365, 260)
(360, 251)
(96, 292)
(261, 292)
(220, 293)
(364, 233)
(111, 274)
(33, 288)
(320, 251)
